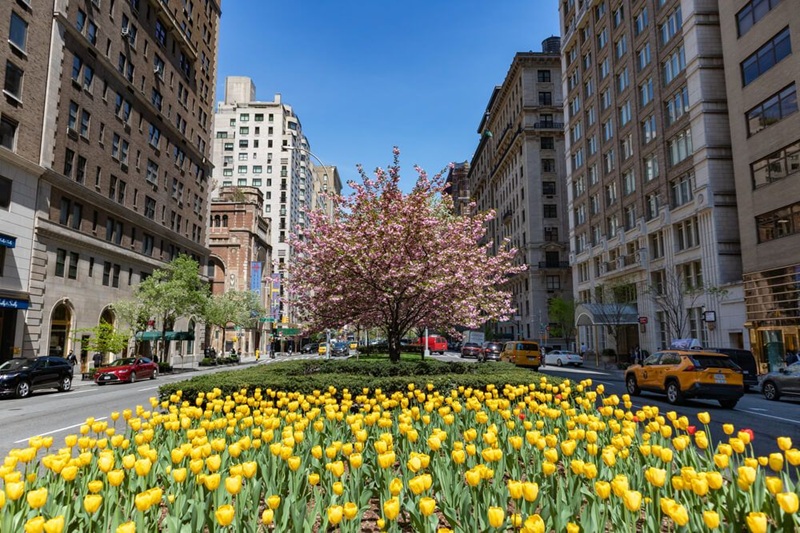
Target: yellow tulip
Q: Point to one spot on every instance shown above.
(530, 491)
(336, 468)
(294, 463)
(700, 486)
(233, 484)
(213, 463)
(788, 501)
(756, 522)
(338, 488)
(34, 525)
(656, 476)
(793, 456)
(603, 489)
(714, 480)
(711, 519)
(37, 498)
(115, 477)
(224, 515)
(573, 527)
(2, 499)
(15, 490)
(127, 527)
(459, 456)
(548, 468)
(249, 469)
(350, 510)
(54, 525)
(416, 485)
(335, 514)
(774, 484)
(496, 516)
(95, 486)
(704, 417)
(211, 481)
(313, 479)
(515, 489)
(427, 505)
(69, 473)
(473, 477)
(91, 502)
(721, 460)
(632, 500)
(784, 443)
(356, 460)
(533, 524)
(391, 508)
(679, 514)
(728, 429)
(776, 461)
(274, 501)
(267, 516)
(395, 486)
(105, 462)
(179, 475)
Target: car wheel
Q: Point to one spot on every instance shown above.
(66, 384)
(728, 404)
(23, 389)
(674, 394)
(100, 383)
(133, 377)
(535, 368)
(632, 386)
(771, 391)
(155, 374)
(559, 363)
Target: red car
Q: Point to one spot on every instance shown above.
(127, 369)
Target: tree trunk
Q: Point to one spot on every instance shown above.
(393, 338)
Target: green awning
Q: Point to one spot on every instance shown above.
(154, 335)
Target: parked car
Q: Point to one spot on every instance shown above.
(436, 343)
(684, 374)
(746, 361)
(20, 376)
(340, 349)
(562, 357)
(311, 347)
(522, 353)
(490, 351)
(471, 349)
(782, 382)
(126, 369)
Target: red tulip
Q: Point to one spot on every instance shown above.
(691, 430)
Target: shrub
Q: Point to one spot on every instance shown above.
(207, 362)
(164, 367)
(306, 376)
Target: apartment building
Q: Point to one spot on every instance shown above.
(112, 101)
(654, 233)
(518, 170)
(261, 144)
(762, 70)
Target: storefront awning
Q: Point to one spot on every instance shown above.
(8, 241)
(154, 335)
(606, 314)
(288, 332)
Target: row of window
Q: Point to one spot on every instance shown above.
(67, 264)
(776, 165)
(751, 13)
(686, 233)
(782, 222)
(766, 57)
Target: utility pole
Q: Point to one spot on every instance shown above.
(541, 327)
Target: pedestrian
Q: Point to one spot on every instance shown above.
(71, 358)
(258, 354)
(98, 359)
(791, 357)
(637, 355)
(583, 349)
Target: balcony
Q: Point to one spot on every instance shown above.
(550, 265)
(548, 125)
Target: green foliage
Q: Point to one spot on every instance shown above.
(561, 312)
(241, 308)
(134, 313)
(309, 375)
(103, 338)
(609, 352)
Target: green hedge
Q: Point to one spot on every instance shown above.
(306, 376)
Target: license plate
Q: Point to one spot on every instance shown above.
(106, 377)
(720, 378)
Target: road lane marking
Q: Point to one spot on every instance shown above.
(791, 420)
(57, 430)
(148, 388)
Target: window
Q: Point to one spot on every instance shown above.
(575, 132)
(658, 281)
(574, 106)
(592, 145)
(686, 234)
(649, 129)
(650, 167)
(625, 113)
(147, 244)
(605, 69)
(553, 283)
(779, 223)
(547, 143)
(681, 190)
(551, 234)
(257, 169)
(66, 209)
(13, 80)
(641, 21)
(671, 26)
(772, 110)
(751, 13)
(608, 129)
(590, 116)
(61, 259)
(621, 46)
(605, 99)
(72, 120)
(152, 172)
(676, 105)
(154, 136)
(244, 117)
(85, 118)
(242, 169)
(580, 215)
(579, 186)
(542, 75)
(674, 65)
(612, 225)
(115, 278)
(77, 216)
(545, 98)
(776, 165)
(8, 133)
(630, 217)
(548, 165)
(623, 80)
(550, 211)
(18, 32)
(651, 202)
(594, 204)
(72, 272)
(691, 274)
(646, 92)
(680, 147)
(766, 57)
(602, 39)
(608, 161)
(619, 16)
(611, 194)
(149, 207)
(577, 159)
(628, 182)
(643, 56)
(80, 175)
(69, 162)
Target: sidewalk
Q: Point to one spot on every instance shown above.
(591, 363)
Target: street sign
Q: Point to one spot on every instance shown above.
(643, 320)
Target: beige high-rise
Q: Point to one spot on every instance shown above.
(652, 204)
(760, 41)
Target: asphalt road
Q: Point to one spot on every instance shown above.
(59, 414)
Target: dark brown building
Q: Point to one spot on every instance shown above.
(114, 103)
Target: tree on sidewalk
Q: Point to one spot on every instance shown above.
(235, 308)
(135, 314)
(561, 311)
(399, 261)
(103, 338)
(172, 292)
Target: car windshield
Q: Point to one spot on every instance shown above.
(123, 362)
(706, 361)
(340, 345)
(471, 345)
(17, 364)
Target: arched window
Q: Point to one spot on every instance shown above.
(224, 221)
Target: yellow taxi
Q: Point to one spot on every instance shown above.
(682, 374)
(522, 353)
(323, 348)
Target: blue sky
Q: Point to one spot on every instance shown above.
(364, 76)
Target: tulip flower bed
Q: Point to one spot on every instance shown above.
(537, 457)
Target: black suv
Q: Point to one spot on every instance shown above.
(490, 352)
(745, 360)
(20, 376)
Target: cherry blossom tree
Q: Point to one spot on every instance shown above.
(399, 260)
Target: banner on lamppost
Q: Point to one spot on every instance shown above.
(255, 277)
(275, 310)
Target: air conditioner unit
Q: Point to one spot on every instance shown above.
(125, 31)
